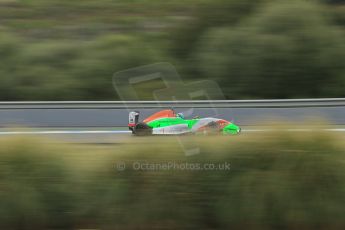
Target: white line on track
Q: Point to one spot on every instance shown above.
(62, 132)
(127, 132)
(293, 130)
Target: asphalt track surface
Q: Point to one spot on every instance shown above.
(100, 122)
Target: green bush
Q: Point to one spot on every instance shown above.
(35, 187)
(278, 53)
(69, 50)
(106, 56)
(209, 14)
(9, 48)
(69, 70)
(277, 180)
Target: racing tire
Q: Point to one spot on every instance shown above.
(142, 129)
(212, 128)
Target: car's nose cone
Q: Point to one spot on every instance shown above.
(231, 129)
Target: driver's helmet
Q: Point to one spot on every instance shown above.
(180, 115)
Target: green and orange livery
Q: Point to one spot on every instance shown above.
(167, 122)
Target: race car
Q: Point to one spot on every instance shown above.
(167, 122)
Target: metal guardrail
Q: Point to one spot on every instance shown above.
(279, 103)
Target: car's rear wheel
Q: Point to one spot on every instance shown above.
(142, 129)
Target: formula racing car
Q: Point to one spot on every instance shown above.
(167, 122)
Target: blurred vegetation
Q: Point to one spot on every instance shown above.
(69, 50)
(277, 180)
(300, 56)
